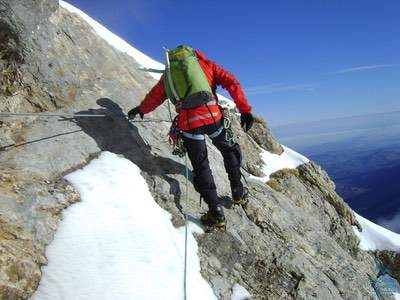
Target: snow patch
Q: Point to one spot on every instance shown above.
(115, 41)
(289, 159)
(117, 243)
(375, 237)
(226, 102)
(240, 293)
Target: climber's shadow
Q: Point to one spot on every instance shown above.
(116, 134)
(226, 201)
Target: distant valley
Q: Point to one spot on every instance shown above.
(361, 154)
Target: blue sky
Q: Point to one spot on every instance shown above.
(297, 60)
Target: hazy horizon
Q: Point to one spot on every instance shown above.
(272, 126)
(362, 156)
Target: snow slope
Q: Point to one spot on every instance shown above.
(274, 162)
(375, 237)
(117, 243)
(239, 293)
(115, 41)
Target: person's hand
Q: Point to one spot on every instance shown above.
(135, 111)
(246, 121)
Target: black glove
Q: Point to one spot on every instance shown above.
(246, 121)
(134, 111)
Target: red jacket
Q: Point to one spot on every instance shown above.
(200, 116)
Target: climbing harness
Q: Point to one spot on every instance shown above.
(227, 125)
(175, 139)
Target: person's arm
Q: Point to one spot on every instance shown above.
(153, 99)
(229, 82)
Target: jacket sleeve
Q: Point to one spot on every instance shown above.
(228, 82)
(154, 98)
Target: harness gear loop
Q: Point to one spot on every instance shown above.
(229, 135)
(175, 137)
(179, 148)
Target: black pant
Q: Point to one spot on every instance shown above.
(202, 178)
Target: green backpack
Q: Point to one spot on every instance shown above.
(184, 80)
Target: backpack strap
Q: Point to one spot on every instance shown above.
(169, 76)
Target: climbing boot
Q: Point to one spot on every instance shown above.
(240, 195)
(214, 218)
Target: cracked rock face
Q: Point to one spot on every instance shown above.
(293, 240)
(262, 135)
(291, 244)
(29, 213)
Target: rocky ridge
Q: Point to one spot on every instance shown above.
(294, 239)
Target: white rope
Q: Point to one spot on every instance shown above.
(74, 115)
(49, 114)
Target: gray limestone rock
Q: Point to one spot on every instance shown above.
(263, 136)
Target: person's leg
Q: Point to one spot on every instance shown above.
(203, 179)
(232, 160)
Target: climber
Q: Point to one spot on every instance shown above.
(194, 80)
